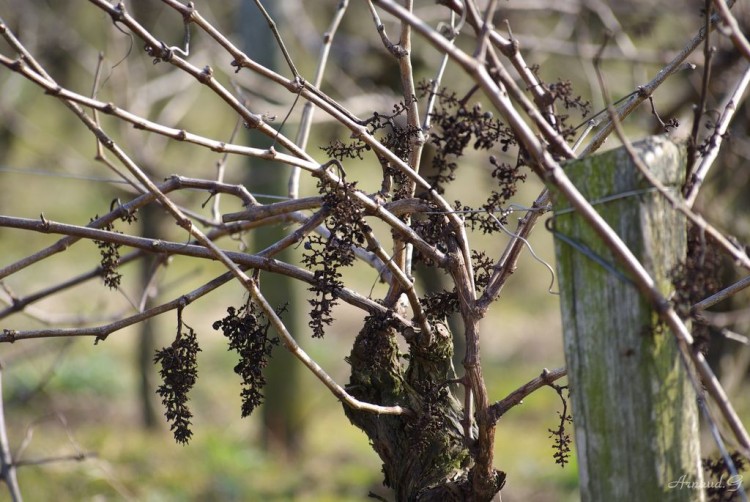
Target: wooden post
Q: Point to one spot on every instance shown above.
(634, 410)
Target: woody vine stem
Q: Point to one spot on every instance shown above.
(405, 223)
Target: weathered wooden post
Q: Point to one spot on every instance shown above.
(634, 410)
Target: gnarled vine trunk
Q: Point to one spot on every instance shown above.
(424, 454)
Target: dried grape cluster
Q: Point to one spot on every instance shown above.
(695, 279)
(562, 91)
(395, 138)
(455, 127)
(325, 255)
(562, 440)
(340, 150)
(110, 258)
(247, 331)
(440, 305)
(722, 485)
(110, 251)
(179, 372)
(395, 135)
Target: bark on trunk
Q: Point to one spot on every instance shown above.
(424, 454)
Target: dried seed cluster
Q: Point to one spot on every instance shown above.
(179, 372)
(325, 255)
(247, 331)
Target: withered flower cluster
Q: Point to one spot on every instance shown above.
(247, 331)
(562, 440)
(110, 252)
(179, 372)
(695, 279)
(325, 255)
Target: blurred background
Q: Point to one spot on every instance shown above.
(71, 398)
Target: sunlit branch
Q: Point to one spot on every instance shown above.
(158, 246)
(498, 409)
(735, 32)
(141, 123)
(729, 107)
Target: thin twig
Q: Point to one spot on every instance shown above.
(75, 457)
(506, 264)
(708, 53)
(721, 295)
(295, 237)
(402, 251)
(94, 90)
(173, 183)
(646, 90)
(267, 210)
(610, 21)
(726, 318)
(735, 337)
(487, 28)
(18, 304)
(580, 49)
(220, 168)
(450, 33)
(66, 95)
(279, 40)
(402, 52)
(498, 409)
(729, 106)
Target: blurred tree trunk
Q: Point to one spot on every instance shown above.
(147, 14)
(148, 219)
(281, 411)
